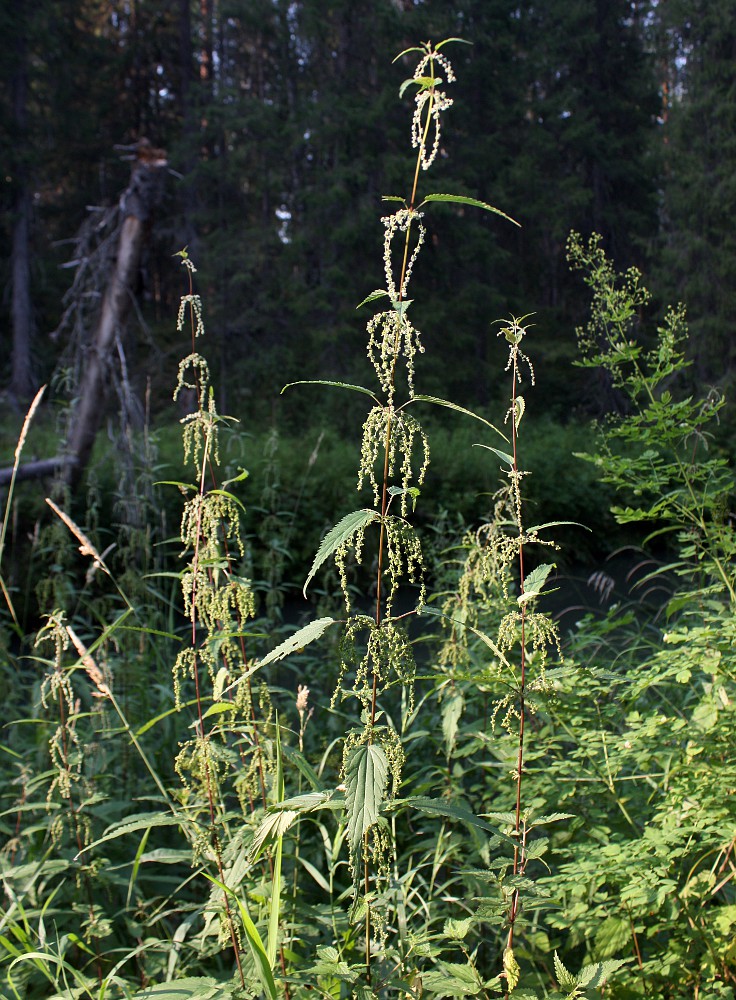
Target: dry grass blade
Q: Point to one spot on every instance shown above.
(86, 547)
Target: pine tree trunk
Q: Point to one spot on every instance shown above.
(22, 384)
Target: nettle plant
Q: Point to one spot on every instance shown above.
(377, 652)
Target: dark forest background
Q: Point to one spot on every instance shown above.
(282, 129)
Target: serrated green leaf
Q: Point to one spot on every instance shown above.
(378, 294)
(537, 848)
(457, 930)
(305, 802)
(366, 775)
(401, 306)
(411, 491)
(440, 807)
(511, 968)
(273, 826)
(343, 530)
(423, 82)
(549, 818)
(504, 818)
(612, 935)
(189, 988)
(337, 385)
(519, 407)
(565, 979)
(534, 582)
(301, 638)
(503, 455)
(598, 973)
(452, 710)
(460, 409)
(165, 856)
(452, 980)
(459, 199)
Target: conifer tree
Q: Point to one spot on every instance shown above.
(698, 259)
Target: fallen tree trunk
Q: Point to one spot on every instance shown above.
(133, 212)
(36, 469)
(85, 420)
(137, 205)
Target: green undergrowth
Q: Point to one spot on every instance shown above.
(309, 726)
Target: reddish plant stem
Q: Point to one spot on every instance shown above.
(519, 858)
(385, 504)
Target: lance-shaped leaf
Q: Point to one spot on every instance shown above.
(534, 582)
(423, 82)
(519, 407)
(565, 979)
(599, 973)
(410, 491)
(343, 530)
(459, 199)
(337, 385)
(441, 807)
(503, 455)
(446, 41)
(366, 774)
(189, 988)
(301, 638)
(131, 824)
(378, 294)
(460, 409)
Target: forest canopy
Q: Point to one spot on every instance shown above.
(282, 132)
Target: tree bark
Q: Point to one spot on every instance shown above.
(22, 385)
(35, 470)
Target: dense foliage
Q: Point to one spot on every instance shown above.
(430, 785)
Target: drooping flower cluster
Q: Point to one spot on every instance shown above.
(438, 102)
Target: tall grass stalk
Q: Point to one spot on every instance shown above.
(9, 499)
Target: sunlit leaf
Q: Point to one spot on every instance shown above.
(343, 530)
(301, 638)
(459, 199)
(503, 455)
(379, 293)
(366, 774)
(460, 409)
(337, 385)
